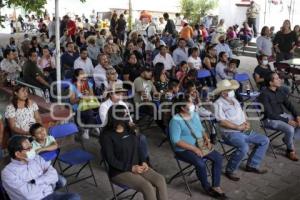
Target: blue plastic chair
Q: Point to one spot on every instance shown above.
(65, 84)
(241, 77)
(50, 155)
(74, 157)
(203, 74)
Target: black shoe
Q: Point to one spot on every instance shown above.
(231, 176)
(211, 192)
(255, 170)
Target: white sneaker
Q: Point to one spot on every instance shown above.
(86, 134)
(97, 131)
(204, 112)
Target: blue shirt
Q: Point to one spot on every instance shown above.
(223, 47)
(179, 130)
(180, 55)
(67, 60)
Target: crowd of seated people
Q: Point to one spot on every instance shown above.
(105, 75)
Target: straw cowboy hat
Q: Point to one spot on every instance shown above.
(115, 89)
(226, 85)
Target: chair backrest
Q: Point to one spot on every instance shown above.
(281, 66)
(241, 77)
(294, 71)
(203, 73)
(63, 130)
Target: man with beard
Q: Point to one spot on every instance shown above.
(84, 62)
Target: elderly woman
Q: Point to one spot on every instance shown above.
(22, 112)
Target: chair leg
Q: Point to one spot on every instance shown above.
(132, 197)
(184, 179)
(273, 150)
(113, 190)
(77, 174)
(162, 142)
(178, 173)
(91, 169)
(224, 150)
(271, 145)
(62, 173)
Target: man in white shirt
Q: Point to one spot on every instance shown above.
(84, 62)
(99, 72)
(165, 58)
(236, 131)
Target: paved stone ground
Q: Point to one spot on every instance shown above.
(281, 183)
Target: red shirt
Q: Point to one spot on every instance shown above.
(71, 26)
(204, 33)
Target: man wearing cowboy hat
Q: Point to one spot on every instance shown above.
(114, 95)
(236, 131)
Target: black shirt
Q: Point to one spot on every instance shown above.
(170, 27)
(121, 26)
(30, 72)
(285, 41)
(121, 151)
(263, 73)
(274, 103)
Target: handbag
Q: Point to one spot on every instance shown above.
(199, 141)
(88, 103)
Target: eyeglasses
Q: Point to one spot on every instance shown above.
(27, 149)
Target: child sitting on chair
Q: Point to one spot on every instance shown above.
(41, 140)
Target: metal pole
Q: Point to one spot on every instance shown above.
(266, 2)
(57, 56)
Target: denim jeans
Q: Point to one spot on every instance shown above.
(215, 157)
(288, 130)
(62, 196)
(241, 142)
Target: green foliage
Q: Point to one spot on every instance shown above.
(28, 5)
(193, 10)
